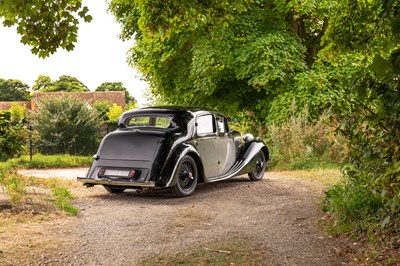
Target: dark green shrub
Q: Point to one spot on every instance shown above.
(14, 136)
(352, 204)
(67, 125)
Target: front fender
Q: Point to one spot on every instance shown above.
(168, 177)
(248, 154)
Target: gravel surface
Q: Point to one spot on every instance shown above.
(278, 214)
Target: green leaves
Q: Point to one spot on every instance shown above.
(46, 25)
(64, 83)
(13, 90)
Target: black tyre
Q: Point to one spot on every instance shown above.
(186, 177)
(114, 190)
(261, 164)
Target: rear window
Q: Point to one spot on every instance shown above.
(149, 121)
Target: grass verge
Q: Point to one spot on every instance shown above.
(328, 177)
(233, 251)
(48, 161)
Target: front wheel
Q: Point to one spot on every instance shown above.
(261, 164)
(186, 177)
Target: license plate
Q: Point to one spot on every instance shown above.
(117, 173)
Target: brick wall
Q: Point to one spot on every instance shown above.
(7, 105)
(117, 97)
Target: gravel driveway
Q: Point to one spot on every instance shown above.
(278, 214)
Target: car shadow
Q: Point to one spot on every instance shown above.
(165, 196)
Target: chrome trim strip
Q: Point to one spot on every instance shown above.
(91, 181)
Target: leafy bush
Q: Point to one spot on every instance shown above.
(102, 108)
(14, 134)
(114, 113)
(67, 125)
(301, 144)
(353, 205)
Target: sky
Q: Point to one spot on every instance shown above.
(99, 56)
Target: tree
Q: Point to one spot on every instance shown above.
(45, 24)
(13, 90)
(116, 86)
(42, 83)
(232, 55)
(67, 125)
(64, 83)
(372, 189)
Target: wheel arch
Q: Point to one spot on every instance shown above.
(199, 165)
(266, 152)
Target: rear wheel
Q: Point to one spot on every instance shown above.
(114, 190)
(186, 177)
(261, 164)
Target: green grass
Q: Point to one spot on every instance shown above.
(48, 161)
(234, 251)
(304, 164)
(62, 197)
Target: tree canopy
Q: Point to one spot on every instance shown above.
(232, 55)
(64, 83)
(13, 90)
(45, 25)
(116, 86)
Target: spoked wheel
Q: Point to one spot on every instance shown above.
(114, 190)
(261, 164)
(186, 179)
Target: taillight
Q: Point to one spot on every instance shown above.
(131, 173)
(101, 171)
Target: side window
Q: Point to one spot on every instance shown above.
(205, 124)
(222, 125)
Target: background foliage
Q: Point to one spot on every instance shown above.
(373, 178)
(13, 90)
(67, 125)
(116, 86)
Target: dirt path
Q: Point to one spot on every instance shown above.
(277, 214)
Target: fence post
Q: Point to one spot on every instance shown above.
(30, 140)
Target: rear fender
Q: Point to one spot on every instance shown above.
(168, 177)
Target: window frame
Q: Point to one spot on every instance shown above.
(214, 127)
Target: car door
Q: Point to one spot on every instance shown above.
(207, 143)
(226, 146)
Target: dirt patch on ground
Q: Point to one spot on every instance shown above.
(277, 216)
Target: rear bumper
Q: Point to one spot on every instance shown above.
(91, 182)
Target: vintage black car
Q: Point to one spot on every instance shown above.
(174, 147)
